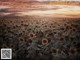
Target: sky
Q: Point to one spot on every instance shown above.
(58, 0)
(40, 0)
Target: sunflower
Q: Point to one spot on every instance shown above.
(65, 34)
(44, 41)
(40, 33)
(70, 27)
(58, 51)
(30, 40)
(31, 35)
(4, 46)
(72, 51)
(74, 43)
(54, 51)
(65, 24)
(12, 46)
(21, 40)
(73, 29)
(67, 27)
(62, 39)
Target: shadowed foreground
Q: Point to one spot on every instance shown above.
(41, 38)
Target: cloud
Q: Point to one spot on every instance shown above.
(58, 0)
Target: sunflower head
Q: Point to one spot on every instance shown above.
(44, 41)
(72, 51)
(21, 40)
(31, 35)
(4, 46)
(62, 39)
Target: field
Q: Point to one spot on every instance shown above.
(42, 32)
(54, 38)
